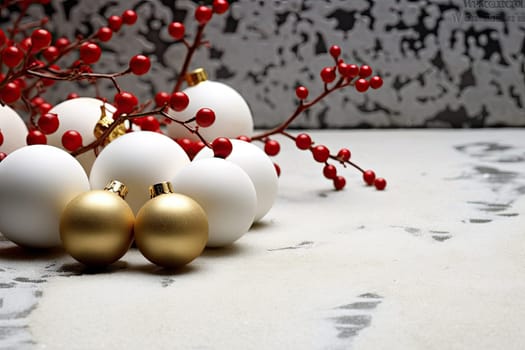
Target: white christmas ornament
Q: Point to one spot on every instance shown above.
(232, 115)
(259, 168)
(226, 194)
(138, 159)
(80, 114)
(36, 183)
(13, 129)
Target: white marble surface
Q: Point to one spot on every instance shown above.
(434, 262)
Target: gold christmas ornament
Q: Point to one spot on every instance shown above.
(170, 229)
(96, 227)
(104, 123)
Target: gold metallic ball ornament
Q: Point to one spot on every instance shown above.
(96, 227)
(171, 229)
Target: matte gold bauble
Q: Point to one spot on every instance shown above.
(170, 229)
(96, 227)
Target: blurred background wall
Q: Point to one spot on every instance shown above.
(448, 63)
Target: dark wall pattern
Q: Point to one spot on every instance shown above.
(448, 63)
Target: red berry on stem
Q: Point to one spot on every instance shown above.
(344, 69)
(44, 107)
(365, 71)
(185, 143)
(277, 169)
(104, 34)
(339, 183)
(303, 141)
(12, 56)
(40, 38)
(369, 176)
(335, 51)
(125, 101)
(301, 92)
(376, 82)
(129, 17)
(72, 140)
(361, 85)
(62, 43)
(205, 117)
(37, 101)
(321, 153)
(10, 93)
(222, 147)
(150, 123)
(179, 101)
(380, 183)
(176, 30)
(139, 64)
(353, 70)
(328, 74)
(162, 98)
(115, 22)
(196, 147)
(220, 6)
(50, 53)
(330, 171)
(344, 154)
(272, 147)
(48, 123)
(72, 95)
(203, 14)
(36, 137)
(90, 52)
(2, 156)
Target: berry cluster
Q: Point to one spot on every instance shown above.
(32, 61)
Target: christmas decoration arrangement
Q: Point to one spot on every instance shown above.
(174, 174)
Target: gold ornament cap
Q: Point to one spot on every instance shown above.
(161, 188)
(197, 76)
(117, 187)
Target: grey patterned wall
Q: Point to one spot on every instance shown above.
(448, 63)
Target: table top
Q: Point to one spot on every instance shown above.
(436, 261)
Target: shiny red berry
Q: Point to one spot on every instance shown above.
(361, 85)
(162, 98)
(36, 137)
(365, 71)
(2, 156)
(220, 6)
(335, 51)
(150, 123)
(12, 56)
(380, 183)
(50, 53)
(321, 153)
(303, 141)
(62, 43)
(72, 95)
(196, 147)
(72, 140)
(129, 17)
(203, 14)
(328, 75)
(115, 22)
(344, 154)
(222, 147)
(90, 52)
(125, 102)
(104, 34)
(369, 176)
(205, 117)
(301, 92)
(339, 183)
(37, 101)
(176, 30)
(330, 171)
(244, 138)
(179, 101)
(139, 64)
(376, 82)
(44, 107)
(272, 147)
(48, 123)
(40, 38)
(185, 143)
(10, 93)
